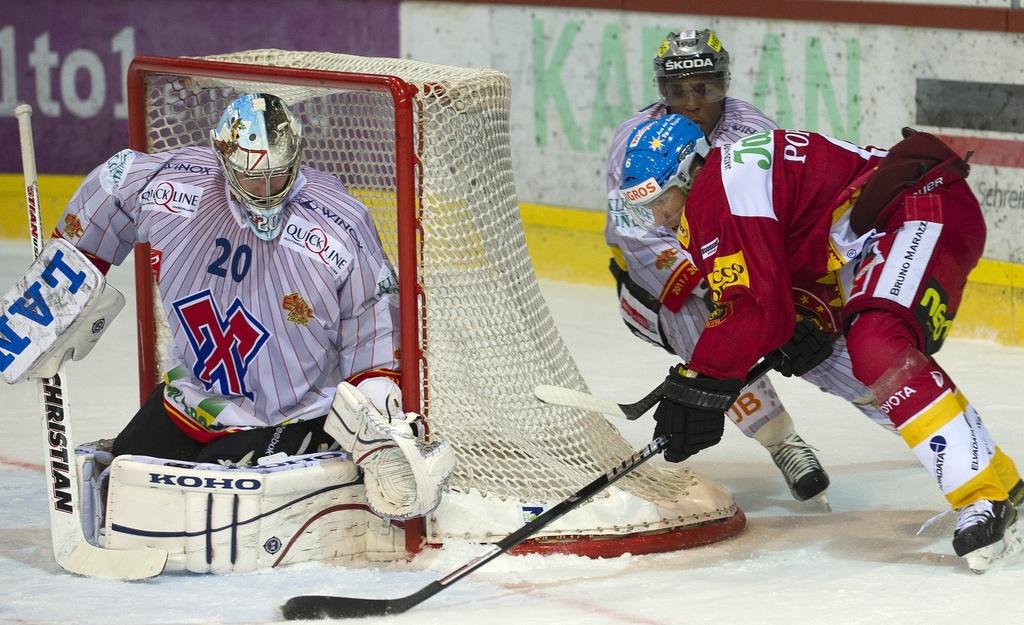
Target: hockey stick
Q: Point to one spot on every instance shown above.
(562, 396)
(321, 606)
(70, 548)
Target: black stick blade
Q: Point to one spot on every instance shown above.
(310, 607)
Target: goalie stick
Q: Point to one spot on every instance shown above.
(70, 548)
(321, 606)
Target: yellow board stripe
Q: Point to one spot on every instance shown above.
(567, 244)
(930, 419)
(562, 217)
(997, 272)
(620, 258)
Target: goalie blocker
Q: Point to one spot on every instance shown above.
(60, 308)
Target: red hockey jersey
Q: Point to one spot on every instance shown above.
(766, 224)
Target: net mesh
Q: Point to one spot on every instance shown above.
(488, 336)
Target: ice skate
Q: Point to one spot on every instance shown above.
(804, 474)
(986, 533)
(1017, 496)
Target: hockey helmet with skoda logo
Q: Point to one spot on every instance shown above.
(693, 53)
(259, 145)
(659, 155)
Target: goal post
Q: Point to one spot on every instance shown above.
(427, 148)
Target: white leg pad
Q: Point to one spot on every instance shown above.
(214, 519)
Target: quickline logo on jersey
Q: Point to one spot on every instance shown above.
(176, 198)
(309, 239)
(224, 345)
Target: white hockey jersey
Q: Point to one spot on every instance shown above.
(262, 331)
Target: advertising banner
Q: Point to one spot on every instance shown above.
(578, 73)
(69, 59)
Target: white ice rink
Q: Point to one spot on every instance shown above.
(860, 564)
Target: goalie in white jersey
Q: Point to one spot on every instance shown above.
(280, 304)
(660, 298)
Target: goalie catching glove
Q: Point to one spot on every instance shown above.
(692, 411)
(404, 475)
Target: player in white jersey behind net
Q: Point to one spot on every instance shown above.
(661, 297)
(279, 300)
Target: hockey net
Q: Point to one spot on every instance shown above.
(426, 147)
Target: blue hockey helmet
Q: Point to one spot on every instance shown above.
(659, 155)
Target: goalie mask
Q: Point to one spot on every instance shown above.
(259, 145)
(692, 53)
(659, 155)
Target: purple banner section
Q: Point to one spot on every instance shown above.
(68, 59)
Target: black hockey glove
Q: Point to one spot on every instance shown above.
(807, 349)
(692, 411)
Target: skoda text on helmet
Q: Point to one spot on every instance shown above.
(259, 145)
(659, 155)
(693, 53)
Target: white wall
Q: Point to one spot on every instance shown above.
(576, 73)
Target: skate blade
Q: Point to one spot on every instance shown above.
(821, 499)
(981, 561)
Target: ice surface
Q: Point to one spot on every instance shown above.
(860, 564)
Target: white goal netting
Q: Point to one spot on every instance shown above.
(485, 332)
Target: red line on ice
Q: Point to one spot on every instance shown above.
(18, 464)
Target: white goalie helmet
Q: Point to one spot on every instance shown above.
(258, 142)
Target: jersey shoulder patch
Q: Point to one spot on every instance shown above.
(114, 169)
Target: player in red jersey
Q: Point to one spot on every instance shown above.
(886, 237)
(657, 300)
